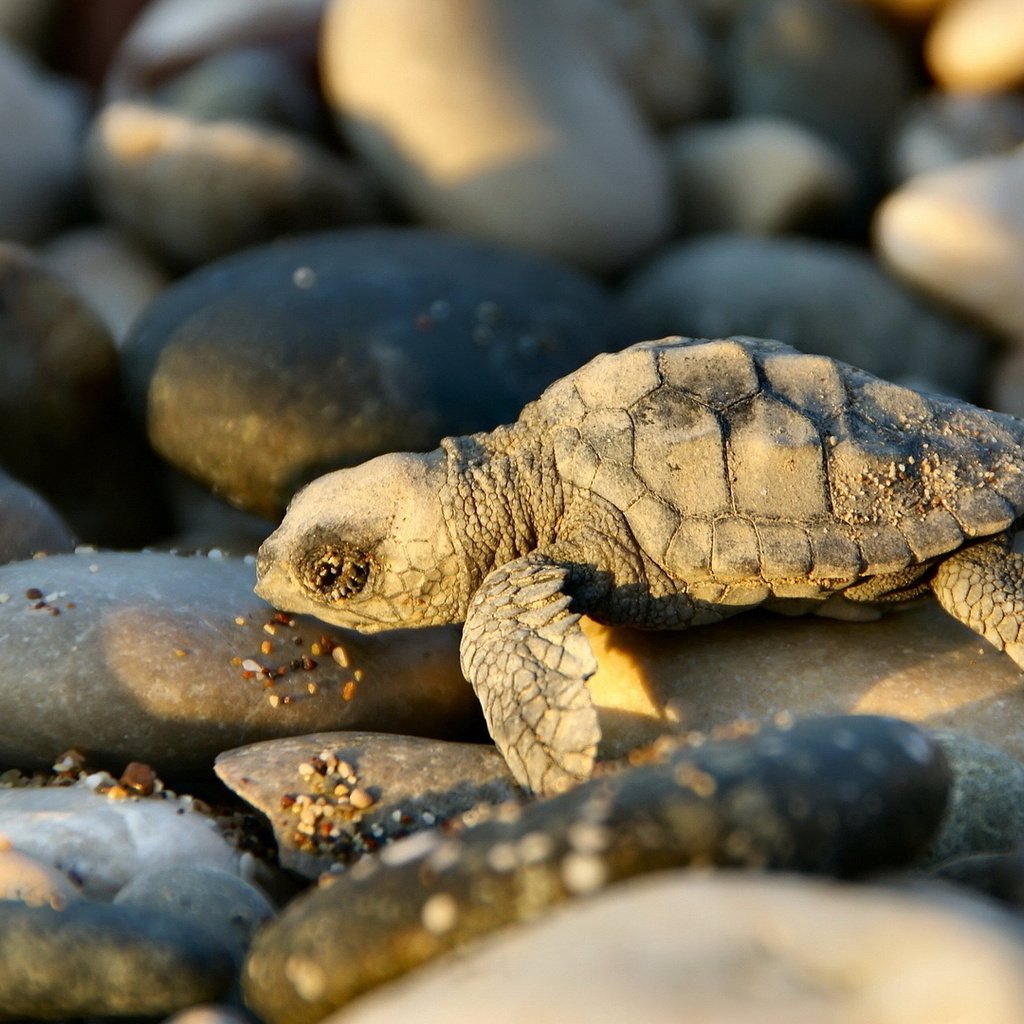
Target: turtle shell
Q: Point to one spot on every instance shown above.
(745, 460)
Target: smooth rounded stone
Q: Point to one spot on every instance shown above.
(205, 522)
(115, 275)
(29, 524)
(999, 876)
(173, 34)
(941, 129)
(100, 960)
(985, 813)
(659, 50)
(1006, 382)
(977, 45)
(40, 121)
(762, 175)
(262, 371)
(545, 151)
(248, 83)
(208, 899)
(838, 795)
(196, 190)
(100, 843)
(331, 797)
(958, 234)
(766, 950)
(914, 664)
(25, 22)
(821, 297)
(32, 881)
(209, 1014)
(827, 64)
(171, 660)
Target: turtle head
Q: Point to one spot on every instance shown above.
(368, 548)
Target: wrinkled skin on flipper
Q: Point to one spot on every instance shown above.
(528, 660)
(983, 586)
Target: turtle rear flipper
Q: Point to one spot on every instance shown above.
(528, 661)
(983, 587)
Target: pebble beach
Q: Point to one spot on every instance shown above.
(247, 242)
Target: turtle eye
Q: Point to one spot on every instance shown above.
(337, 574)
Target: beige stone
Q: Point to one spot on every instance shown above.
(977, 45)
(958, 233)
(31, 880)
(720, 948)
(497, 119)
(918, 664)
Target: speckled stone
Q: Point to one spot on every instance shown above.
(195, 190)
(840, 796)
(264, 370)
(100, 960)
(208, 899)
(545, 151)
(986, 803)
(958, 234)
(140, 664)
(390, 786)
(102, 843)
(821, 297)
(720, 948)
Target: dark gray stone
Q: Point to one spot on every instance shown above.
(999, 876)
(97, 959)
(392, 786)
(820, 297)
(839, 796)
(261, 371)
(207, 899)
(138, 656)
(29, 524)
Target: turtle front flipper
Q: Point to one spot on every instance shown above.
(528, 660)
(983, 586)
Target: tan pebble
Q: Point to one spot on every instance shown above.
(360, 799)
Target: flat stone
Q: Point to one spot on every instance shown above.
(99, 960)
(264, 370)
(958, 234)
(844, 795)
(196, 190)
(977, 45)
(876, 956)
(331, 797)
(762, 175)
(102, 843)
(916, 664)
(209, 899)
(171, 660)
(545, 151)
(821, 297)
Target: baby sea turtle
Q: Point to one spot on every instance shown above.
(672, 484)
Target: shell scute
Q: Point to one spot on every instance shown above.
(734, 549)
(716, 374)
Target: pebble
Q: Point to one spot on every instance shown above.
(40, 165)
(94, 959)
(264, 370)
(101, 843)
(914, 664)
(986, 803)
(765, 949)
(114, 275)
(29, 524)
(195, 190)
(840, 796)
(814, 62)
(820, 296)
(332, 797)
(33, 881)
(977, 45)
(762, 175)
(942, 129)
(958, 234)
(207, 899)
(545, 151)
(660, 51)
(144, 656)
